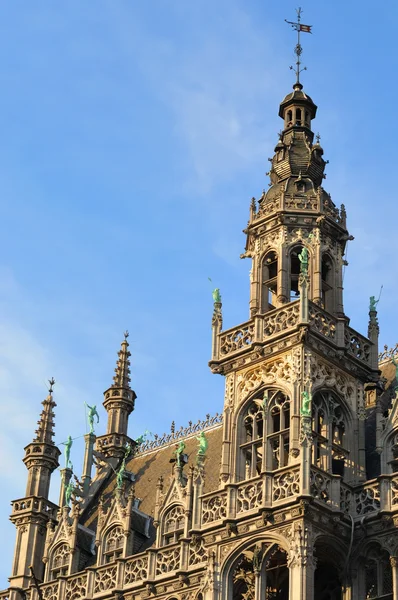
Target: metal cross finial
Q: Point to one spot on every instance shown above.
(51, 382)
(318, 138)
(126, 334)
(298, 26)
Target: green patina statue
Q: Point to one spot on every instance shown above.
(203, 444)
(216, 295)
(68, 445)
(69, 489)
(373, 303)
(142, 438)
(120, 474)
(303, 258)
(179, 451)
(92, 412)
(265, 402)
(306, 404)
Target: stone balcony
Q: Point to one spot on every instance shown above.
(266, 328)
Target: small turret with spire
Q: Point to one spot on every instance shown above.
(119, 403)
(32, 513)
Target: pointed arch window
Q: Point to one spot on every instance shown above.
(330, 433)
(113, 545)
(289, 118)
(60, 561)
(298, 117)
(327, 274)
(295, 272)
(278, 438)
(378, 574)
(173, 525)
(269, 272)
(266, 428)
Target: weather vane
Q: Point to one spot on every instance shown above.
(126, 334)
(298, 26)
(51, 382)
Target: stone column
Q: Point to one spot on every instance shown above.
(66, 476)
(302, 566)
(89, 439)
(394, 568)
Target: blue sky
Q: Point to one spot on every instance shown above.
(133, 135)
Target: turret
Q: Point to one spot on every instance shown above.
(32, 513)
(118, 403)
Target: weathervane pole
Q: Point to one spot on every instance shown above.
(298, 26)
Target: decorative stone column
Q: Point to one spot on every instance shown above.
(302, 566)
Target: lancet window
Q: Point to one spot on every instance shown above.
(327, 274)
(60, 561)
(253, 443)
(266, 428)
(278, 438)
(173, 524)
(295, 272)
(113, 546)
(269, 281)
(330, 433)
(378, 575)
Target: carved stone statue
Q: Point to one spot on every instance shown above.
(68, 445)
(142, 438)
(306, 404)
(303, 258)
(203, 444)
(216, 295)
(92, 412)
(179, 452)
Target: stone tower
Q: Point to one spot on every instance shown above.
(119, 402)
(31, 514)
(295, 371)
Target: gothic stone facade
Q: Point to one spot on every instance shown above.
(297, 495)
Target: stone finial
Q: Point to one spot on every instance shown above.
(45, 431)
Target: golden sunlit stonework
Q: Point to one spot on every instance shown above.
(292, 492)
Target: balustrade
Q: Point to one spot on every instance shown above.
(286, 484)
(367, 499)
(135, 570)
(322, 322)
(357, 345)
(250, 495)
(168, 560)
(105, 579)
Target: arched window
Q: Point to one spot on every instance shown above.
(378, 574)
(270, 567)
(327, 273)
(269, 281)
(295, 272)
(113, 545)
(289, 118)
(278, 438)
(307, 118)
(252, 447)
(173, 525)
(60, 561)
(329, 429)
(298, 116)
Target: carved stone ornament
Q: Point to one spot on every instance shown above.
(268, 374)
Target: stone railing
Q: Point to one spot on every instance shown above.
(357, 345)
(135, 570)
(367, 499)
(321, 485)
(168, 560)
(214, 507)
(322, 322)
(4, 595)
(280, 320)
(234, 340)
(50, 591)
(293, 202)
(37, 505)
(286, 484)
(249, 495)
(76, 586)
(259, 329)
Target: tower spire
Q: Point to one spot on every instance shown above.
(32, 513)
(45, 431)
(298, 50)
(119, 403)
(122, 371)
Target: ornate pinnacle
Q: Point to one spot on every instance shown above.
(122, 376)
(45, 431)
